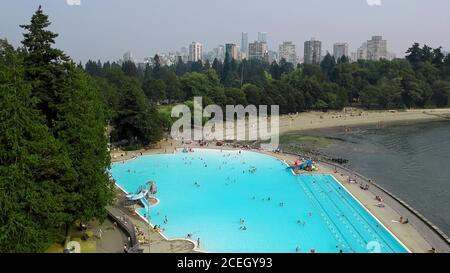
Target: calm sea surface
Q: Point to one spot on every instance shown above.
(410, 160)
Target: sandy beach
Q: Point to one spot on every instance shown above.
(355, 117)
(348, 117)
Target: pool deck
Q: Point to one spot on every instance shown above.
(406, 233)
(158, 242)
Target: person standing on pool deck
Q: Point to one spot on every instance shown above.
(198, 242)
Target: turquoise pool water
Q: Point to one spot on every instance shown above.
(206, 193)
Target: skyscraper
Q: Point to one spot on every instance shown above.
(272, 56)
(262, 37)
(377, 49)
(287, 52)
(340, 50)
(195, 52)
(361, 53)
(231, 50)
(219, 52)
(313, 51)
(184, 54)
(128, 57)
(258, 50)
(244, 42)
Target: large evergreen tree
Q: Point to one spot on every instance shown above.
(54, 149)
(34, 168)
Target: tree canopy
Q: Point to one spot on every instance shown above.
(53, 143)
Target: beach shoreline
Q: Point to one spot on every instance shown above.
(357, 117)
(313, 120)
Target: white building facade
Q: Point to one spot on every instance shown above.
(195, 52)
(287, 51)
(340, 50)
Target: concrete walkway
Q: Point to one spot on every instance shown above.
(112, 239)
(158, 243)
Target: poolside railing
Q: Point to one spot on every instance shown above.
(127, 227)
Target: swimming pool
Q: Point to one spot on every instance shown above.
(206, 193)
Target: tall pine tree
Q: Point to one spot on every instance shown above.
(33, 167)
(71, 108)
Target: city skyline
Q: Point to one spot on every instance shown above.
(95, 29)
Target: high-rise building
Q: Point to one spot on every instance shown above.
(242, 55)
(262, 37)
(391, 56)
(184, 54)
(258, 50)
(219, 52)
(244, 42)
(128, 57)
(313, 52)
(287, 52)
(377, 49)
(340, 50)
(361, 53)
(231, 50)
(354, 57)
(195, 52)
(272, 56)
(2, 45)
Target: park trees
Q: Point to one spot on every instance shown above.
(55, 145)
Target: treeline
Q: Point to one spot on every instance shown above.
(420, 80)
(53, 143)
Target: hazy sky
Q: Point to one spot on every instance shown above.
(105, 29)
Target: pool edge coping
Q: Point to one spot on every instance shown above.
(196, 248)
(266, 153)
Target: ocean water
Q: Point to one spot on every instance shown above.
(410, 160)
(206, 193)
